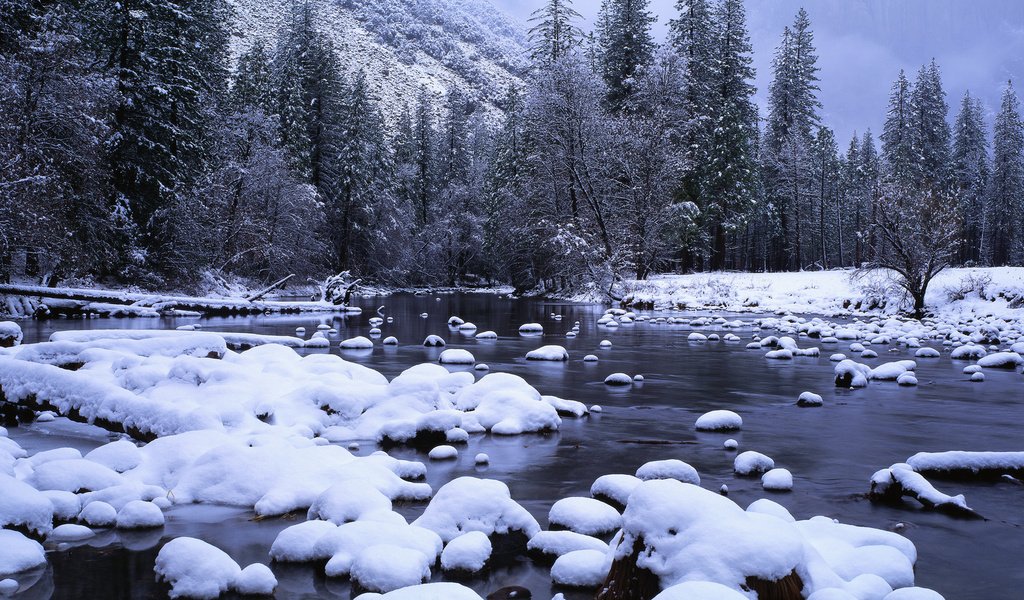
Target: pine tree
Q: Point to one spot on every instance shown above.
(871, 172)
(792, 117)
(253, 81)
(930, 130)
(693, 37)
(423, 159)
(627, 48)
(902, 164)
(970, 173)
(1006, 191)
(731, 160)
(826, 176)
(554, 34)
(170, 65)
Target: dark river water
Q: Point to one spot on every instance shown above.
(831, 451)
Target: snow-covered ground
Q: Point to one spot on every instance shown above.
(981, 291)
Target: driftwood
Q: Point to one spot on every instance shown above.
(628, 581)
(265, 291)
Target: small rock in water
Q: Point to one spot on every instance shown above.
(8, 587)
(719, 420)
(809, 399)
(481, 367)
(777, 480)
(605, 344)
(978, 377)
(482, 459)
(596, 408)
(513, 592)
(730, 444)
(618, 379)
(354, 446)
(443, 453)
(638, 377)
(590, 358)
(424, 315)
(724, 490)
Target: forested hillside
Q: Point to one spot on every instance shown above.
(431, 143)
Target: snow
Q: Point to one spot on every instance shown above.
(386, 567)
(719, 420)
(552, 353)
(98, 514)
(580, 568)
(777, 480)
(443, 453)
(585, 516)
(1001, 360)
(891, 371)
(469, 553)
(531, 328)
(139, 514)
(809, 399)
(70, 532)
(356, 343)
(482, 459)
(974, 462)
(927, 353)
(913, 593)
(390, 341)
(196, 569)
(469, 504)
(487, 335)
(835, 292)
(668, 469)
(615, 487)
(852, 374)
(298, 542)
(19, 553)
(428, 591)
(700, 590)
(557, 543)
(751, 463)
(10, 334)
(456, 357)
(119, 455)
(434, 341)
(618, 379)
(256, 580)
(344, 546)
(22, 506)
(690, 535)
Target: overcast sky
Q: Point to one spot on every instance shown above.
(862, 45)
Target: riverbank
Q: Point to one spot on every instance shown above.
(955, 293)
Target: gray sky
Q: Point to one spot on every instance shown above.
(862, 45)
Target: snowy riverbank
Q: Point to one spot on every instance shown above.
(963, 292)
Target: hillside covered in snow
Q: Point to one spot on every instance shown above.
(406, 45)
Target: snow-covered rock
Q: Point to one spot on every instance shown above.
(585, 516)
(719, 420)
(470, 504)
(752, 463)
(580, 569)
(552, 353)
(196, 569)
(467, 553)
(668, 469)
(456, 356)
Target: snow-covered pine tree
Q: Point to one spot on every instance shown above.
(554, 33)
(1006, 190)
(931, 133)
(731, 161)
(626, 46)
(826, 175)
(170, 66)
(252, 86)
(902, 166)
(970, 174)
(424, 161)
(789, 136)
(693, 37)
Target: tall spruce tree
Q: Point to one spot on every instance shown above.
(731, 160)
(970, 174)
(789, 136)
(627, 48)
(898, 139)
(1006, 191)
(693, 37)
(554, 33)
(930, 129)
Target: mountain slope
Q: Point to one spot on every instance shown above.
(403, 45)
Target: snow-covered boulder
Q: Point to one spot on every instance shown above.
(719, 420)
(580, 569)
(356, 343)
(546, 546)
(456, 356)
(467, 554)
(19, 553)
(10, 334)
(551, 353)
(584, 515)
(850, 374)
(434, 341)
(1001, 360)
(618, 379)
(469, 504)
(808, 399)
(196, 569)
(752, 463)
(668, 469)
(531, 329)
(23, 507)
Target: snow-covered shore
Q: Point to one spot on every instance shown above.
(955, 292)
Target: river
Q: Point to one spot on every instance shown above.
(831, 451)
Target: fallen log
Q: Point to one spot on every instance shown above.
(265, 291)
